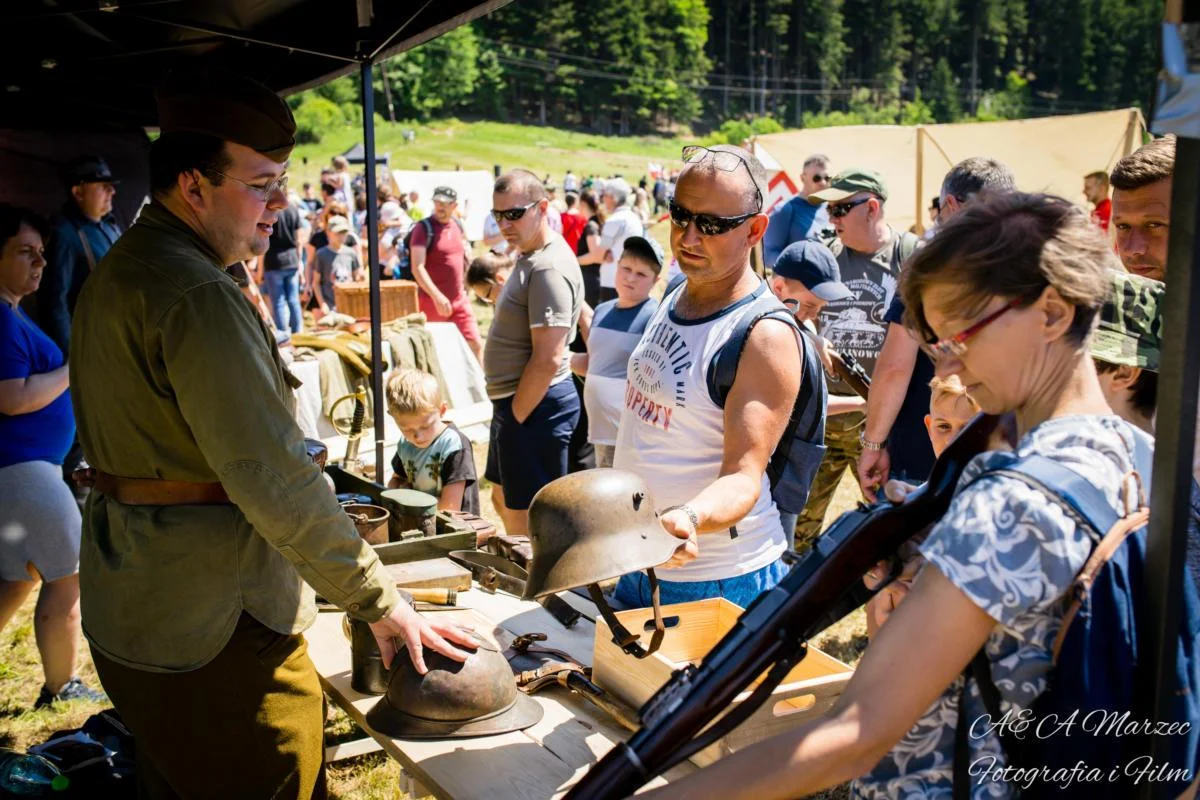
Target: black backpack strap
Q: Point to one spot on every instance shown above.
(723, 368)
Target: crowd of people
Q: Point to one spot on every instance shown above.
(205, 523)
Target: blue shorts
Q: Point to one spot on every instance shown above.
(525, 456)
(633, 590)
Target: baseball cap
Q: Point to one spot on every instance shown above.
(390, 213)
(338, 224)
(852, 181)
(644, 247)
(445, 194)
(1130, 329)
(87, 169)
(812, 264)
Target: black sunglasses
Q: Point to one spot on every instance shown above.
(820, 178)
(724, 160)
(707, 224)
(839, 210)
(512, 214)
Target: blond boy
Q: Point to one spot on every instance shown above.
(434, 456)
(950, 409)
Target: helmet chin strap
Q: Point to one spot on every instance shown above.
(622, 637)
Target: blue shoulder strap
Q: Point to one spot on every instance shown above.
(1072, 489)
(1068, 486)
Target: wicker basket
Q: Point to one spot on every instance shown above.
(396, 299)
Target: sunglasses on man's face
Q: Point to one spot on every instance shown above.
(819, 178)
(512, 214)
(707, 224)
(839, 210)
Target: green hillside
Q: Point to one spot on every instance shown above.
(447, 144)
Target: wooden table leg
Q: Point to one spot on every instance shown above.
(411, 788)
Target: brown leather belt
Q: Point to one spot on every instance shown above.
(154, 492)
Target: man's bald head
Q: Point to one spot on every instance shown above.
(522, 183)
(751, 175)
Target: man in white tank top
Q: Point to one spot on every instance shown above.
(706, 465)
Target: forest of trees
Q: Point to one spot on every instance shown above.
(631, 66)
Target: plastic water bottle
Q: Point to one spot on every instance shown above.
(24, 775)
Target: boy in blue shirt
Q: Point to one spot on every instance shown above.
(617, 326)
(434, 456)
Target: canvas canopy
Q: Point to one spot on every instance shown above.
(1049, 154)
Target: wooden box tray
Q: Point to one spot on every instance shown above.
(396, 299)
(808, 690)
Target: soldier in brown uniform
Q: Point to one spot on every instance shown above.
(208, 518)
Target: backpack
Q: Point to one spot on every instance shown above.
(405, 266)
(1100, 667)
(794, 462)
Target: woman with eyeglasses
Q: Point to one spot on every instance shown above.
(1007, 295)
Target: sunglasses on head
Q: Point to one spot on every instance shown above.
(839, 210)
(707, 224)
(724, 160)
(512, 214)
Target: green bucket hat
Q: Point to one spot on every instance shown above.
(1130, 329)
(852, 181)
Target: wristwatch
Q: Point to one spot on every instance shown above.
(867, 444)
(685, 508)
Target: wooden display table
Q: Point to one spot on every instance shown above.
(537, 763)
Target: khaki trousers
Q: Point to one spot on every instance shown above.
(248, 724)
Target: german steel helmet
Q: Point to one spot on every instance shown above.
(453, 699)
(591, 526)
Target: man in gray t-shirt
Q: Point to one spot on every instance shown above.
(535, 407)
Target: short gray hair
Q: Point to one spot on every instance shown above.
(523, 182)
(755, 175)
(971, 176)
(618, 189)
(816, 158)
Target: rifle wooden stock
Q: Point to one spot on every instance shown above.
(771, 634)
(851, 372)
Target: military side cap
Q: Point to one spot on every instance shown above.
(1130, 329)
(227, 106)
(850, 182)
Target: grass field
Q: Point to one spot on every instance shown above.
(449, 144)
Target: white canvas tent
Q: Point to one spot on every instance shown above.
(1049, 154)
(474, 193)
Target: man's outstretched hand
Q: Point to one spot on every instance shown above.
(417, 633)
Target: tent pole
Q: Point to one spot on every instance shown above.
(920, 206)
(368, 105)
(1175, 437)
